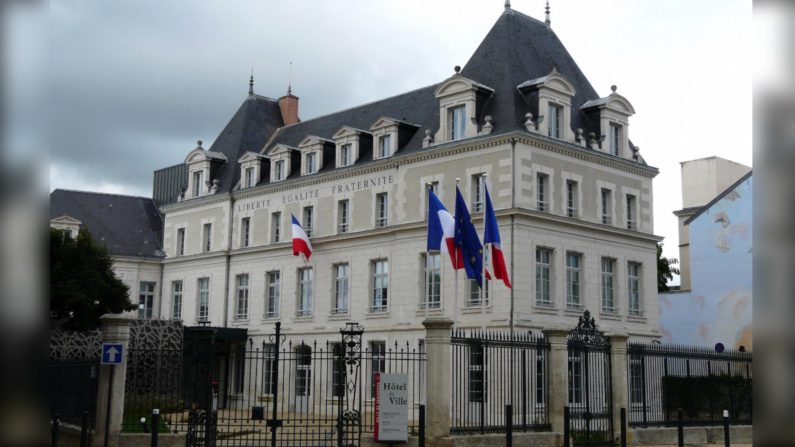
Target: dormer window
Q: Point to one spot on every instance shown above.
(249, 177)
(555, 94)
(279, 170)
(458, 124)
(612, 113)
(384, 146)
(315, 152)
(350, 144)
(281, 160)
(615, 138)
(200, 164)
(311, 163)
(459, 98)
(197, 183)
(346, 155)
(252, 168)
(554, 114)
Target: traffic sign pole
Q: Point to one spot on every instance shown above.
(110, 396)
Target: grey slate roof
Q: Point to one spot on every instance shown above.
(126, 225)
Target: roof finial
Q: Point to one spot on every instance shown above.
(547, 20)
(507, 4)
(251, 83)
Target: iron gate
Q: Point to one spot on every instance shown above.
(589, 390)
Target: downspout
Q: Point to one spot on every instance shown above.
(513, 216)
(228, 259)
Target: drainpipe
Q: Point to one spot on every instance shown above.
(230, 226)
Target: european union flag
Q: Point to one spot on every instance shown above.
(467, 241)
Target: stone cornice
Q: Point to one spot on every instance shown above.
(195, 202)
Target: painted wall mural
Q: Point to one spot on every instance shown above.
(718, 308)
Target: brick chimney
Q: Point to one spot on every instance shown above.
(289, 107)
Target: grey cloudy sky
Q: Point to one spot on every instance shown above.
(134, 84)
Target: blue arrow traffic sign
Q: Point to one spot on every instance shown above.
(112, 353)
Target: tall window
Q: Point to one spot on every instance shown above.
(477, 193)
(378, 365)
(635, 379)
(337, 370)
(341, 289)
(276, 227)
(272, 294)
(384, 146)
(180, 242)
(430, 187)
(575, 377)
(238, 362)
(380, 270)
(346, 155)
(474, 292)
(249, 177)
(553, 128)
(343, 216)
(146, 300)
(245, 231)
(279, 170)
(432, 266)
(308, 220)
(571, 198)
(477, 373)
(608, 273)
(269, 374)
(541, 385)
(381, 210)
(541, 196)
(197, 183)
(573, 280)
(204, 299)
(242, 297)
(543, 269)
(606, 206)
(303, 370)
(207, 234)
(305, 286)
(176, 300)
(457, 122)
(631, 225)
(311, 162)
(633, 275)
(615, 138)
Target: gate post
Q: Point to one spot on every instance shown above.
(439, 370)
(558, 370)
(618, 374)
(115, 329)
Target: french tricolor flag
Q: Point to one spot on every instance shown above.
(441, 229)
(492, 236)
(301, 242)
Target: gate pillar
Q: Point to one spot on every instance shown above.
(112, 379)
(558, 368)
(620, 383)
(438, 370)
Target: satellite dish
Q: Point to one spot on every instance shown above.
(719, 347)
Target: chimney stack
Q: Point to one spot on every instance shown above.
(289, 107)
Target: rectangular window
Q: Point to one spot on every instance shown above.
(477, 373)
(474, 292)
(571, 198)
(380, 271)
(269, 374)
(238, 362)
(553, 128)
(146, 300)
(432, 266)
(573, 280)
(346, 152)
(615, 138)
(249, 177)
(311, 163)
(633, 275)
(276, 227)
(197, 183)
(272, 294)
(180, 242)
(606, 206)
(543, 270)
(541, 196)
(635, 380)
(204, 299)
(305, 289)
(430, 187)
(245, 231)
(477, 193)
(384, 146)
(337, 370)
(381, 210)
(608, 273)
(343, 216)
(378, 363)
(279, 173)
(207, 234)
(341, 288)
(575, 377)
(541, 385)
(176, 300)
(308, 220)
(631, 225)
(242, 297)
(456, 117)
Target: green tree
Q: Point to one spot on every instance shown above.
(83, 286)
(665, 269)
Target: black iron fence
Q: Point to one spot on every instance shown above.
(700, 381)
(72, 389)
(492, 369)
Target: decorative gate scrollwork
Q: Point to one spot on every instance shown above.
(349, 419)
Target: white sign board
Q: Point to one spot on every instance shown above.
(391, 407)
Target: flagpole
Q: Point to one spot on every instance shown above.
(455, 285)
(483, 280)
(425, 269)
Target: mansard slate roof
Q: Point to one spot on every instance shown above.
(126, 225)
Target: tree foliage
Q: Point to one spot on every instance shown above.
(83, 286)
(665, 269)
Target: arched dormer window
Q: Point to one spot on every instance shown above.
(313, 154)
(280, 162)
(613, 111)
(251, 167)
(350, 143)
(201, 165)
(555, 94)
(459, 98)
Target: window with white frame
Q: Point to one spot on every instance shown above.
(346, 154)
(633, 276)
(305, 290)
(207, 233)
(543, 274)
(573, 261)
(146, 300)
(303, 370)
(477, 373)
(380, 284)
(381, 210)
(180, 241)
(272, 293)
(337, 388)
(176, 300)
(276, 227)
(555, 113)
(245, 231)
(541, 382)
(341, 288)
(343, 216)
(249, 178)
(203, 299)
(384, 146)
(474, 292)
(615, 138)
(242, 297)
(631, 221)
(432, 269)
(378, 363)
(269, 382)
(308, 220)
(430, 187)
(576, 377)
(635, 380)
(311, 163)
(279, 170)
(607, 213)
(198, 177)
(608, 292)
(542, 197)
(456, 117)
(571, 198)
(478, 194)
